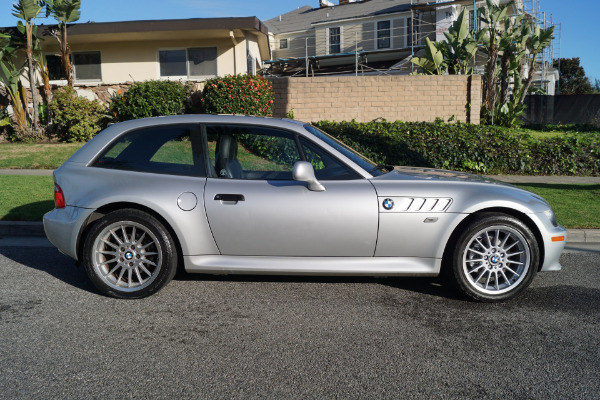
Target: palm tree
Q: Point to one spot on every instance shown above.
(64, 11)
(28, 11)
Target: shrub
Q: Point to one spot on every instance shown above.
(151, 99)
(76, 119)
(239, 94)
(467, 147)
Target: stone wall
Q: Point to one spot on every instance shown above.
(405, 98)
(101, 92)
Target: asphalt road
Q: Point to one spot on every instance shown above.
(262, 337)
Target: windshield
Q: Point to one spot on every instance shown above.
(366, 164)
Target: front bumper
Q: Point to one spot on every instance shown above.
(552, 249)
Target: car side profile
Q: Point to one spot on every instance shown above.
(248, 195)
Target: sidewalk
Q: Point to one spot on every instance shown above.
(555, 180)
(8, 228)
(43, 172)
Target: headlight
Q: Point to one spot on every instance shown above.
(551, 217)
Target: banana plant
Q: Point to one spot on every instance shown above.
(65, 12)
(537, 42)
(10, 76)
(513, 47)
(461, 45)
(433, 63)
(453, 55)
(494, 17)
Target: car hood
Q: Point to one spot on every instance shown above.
(416, 173)
(468, 192)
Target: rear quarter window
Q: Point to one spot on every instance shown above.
(162, 150)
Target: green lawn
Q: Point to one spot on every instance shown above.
(35, 156)
(576, 206)
(27, 198)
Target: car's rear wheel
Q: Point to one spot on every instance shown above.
(129, 254)
(495, 258)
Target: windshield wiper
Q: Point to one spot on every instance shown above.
(382, 167)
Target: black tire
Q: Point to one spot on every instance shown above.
(129, 254)
(495, 258)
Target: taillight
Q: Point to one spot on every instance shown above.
(59, 197)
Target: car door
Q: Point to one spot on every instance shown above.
(255, 208)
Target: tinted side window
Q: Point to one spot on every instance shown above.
(162, 150)
(251, 152)
(327, 168)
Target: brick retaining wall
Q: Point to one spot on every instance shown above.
(406, 98)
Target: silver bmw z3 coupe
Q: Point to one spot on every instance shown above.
(247, 195)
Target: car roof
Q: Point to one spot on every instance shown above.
(205, 118)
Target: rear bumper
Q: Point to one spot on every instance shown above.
(62, 227)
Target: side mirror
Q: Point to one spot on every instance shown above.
(304, 172)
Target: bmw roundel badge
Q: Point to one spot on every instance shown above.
(388, 204)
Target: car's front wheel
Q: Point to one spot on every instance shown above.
(495, 258)
(129, 254)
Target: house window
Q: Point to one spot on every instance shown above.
(172, 62)
(195, 61)
(335, 40)
(202, 61)
(472, 20)
(384, 35)
(283, 44)
(55, 68)
(87, 66)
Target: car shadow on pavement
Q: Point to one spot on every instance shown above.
(29, 212)
(52, 262)
(428, 286)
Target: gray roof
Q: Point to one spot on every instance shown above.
(304, 17)
(250, 23)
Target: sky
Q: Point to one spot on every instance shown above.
(577, 18)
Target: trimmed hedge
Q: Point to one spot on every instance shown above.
(151, 99)
(238, 94)
(467, 147)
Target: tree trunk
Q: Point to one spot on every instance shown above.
(490, 78)
(529, 79)
(65, 56)
(33, 87)
(504, 77)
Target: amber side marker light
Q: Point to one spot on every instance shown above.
(558, 239)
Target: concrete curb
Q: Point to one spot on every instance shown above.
(36, 229)
(583, 235)
(19, 228)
